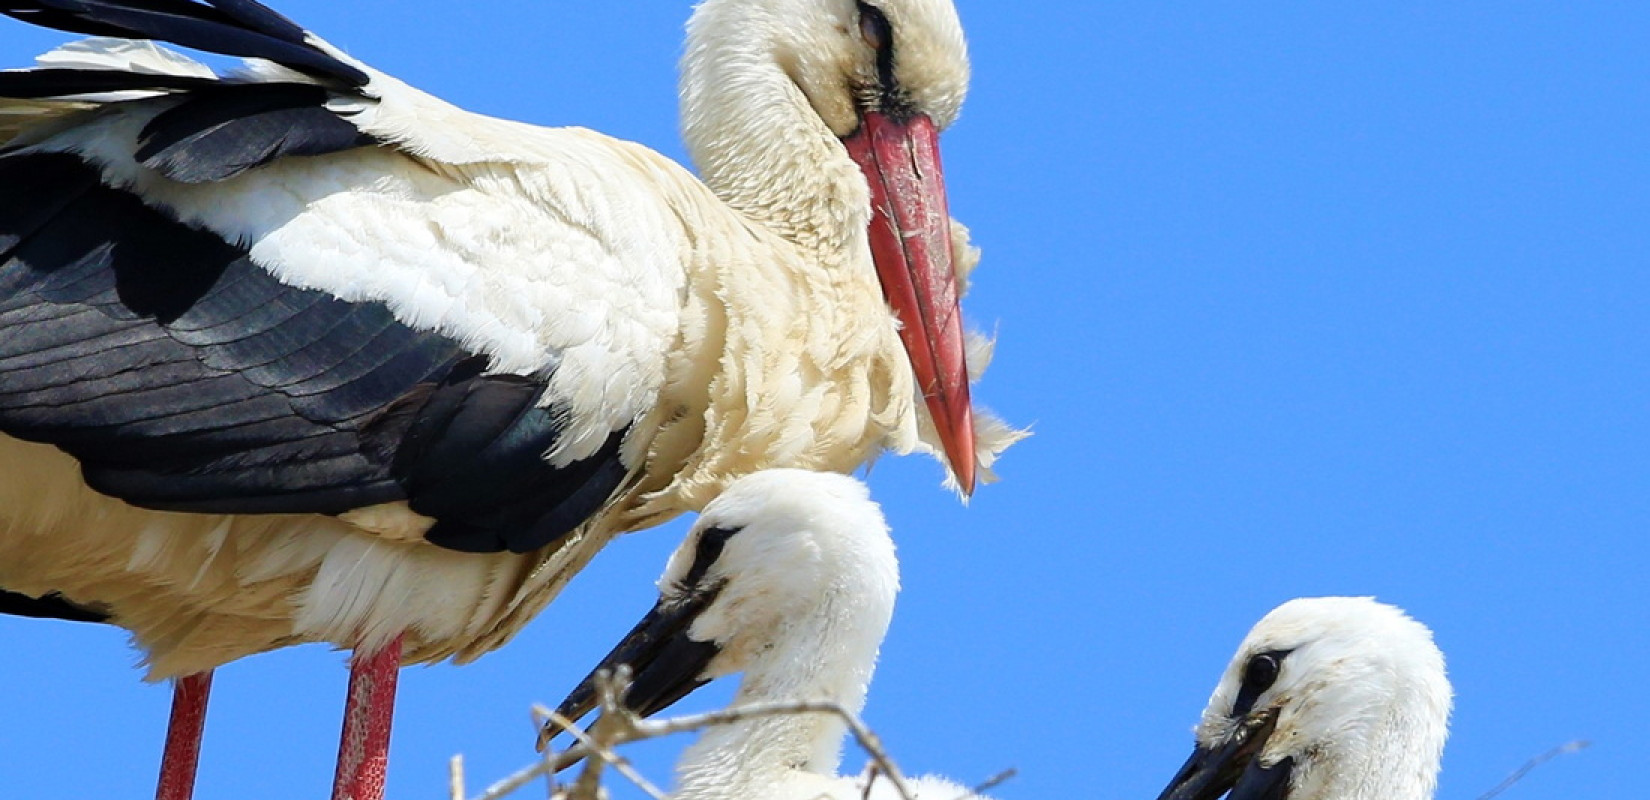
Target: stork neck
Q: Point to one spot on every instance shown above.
(1397, 760)
(829, 656)
(756, 140)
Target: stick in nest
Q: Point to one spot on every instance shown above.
(617, 725)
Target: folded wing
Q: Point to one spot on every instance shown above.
(238, 295)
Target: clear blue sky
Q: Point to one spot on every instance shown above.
(1311, 298)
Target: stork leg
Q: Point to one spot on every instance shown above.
(364, 750)
(183, 736)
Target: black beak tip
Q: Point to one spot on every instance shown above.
(1233, 765)
(657, 663)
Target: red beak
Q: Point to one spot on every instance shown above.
(911, 245)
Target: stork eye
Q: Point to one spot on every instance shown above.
(1261, 673)
(705, 553)
(1258, 676)
(874, 27)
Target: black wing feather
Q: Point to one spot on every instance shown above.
(31, 84)
(251, 31)
(261, 18)
(221, 132)
(218, 129)
(35, 191)
(50, 606)
(471, 456)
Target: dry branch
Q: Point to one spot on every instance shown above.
(994, 781)
(617, 725)
(1518, 774)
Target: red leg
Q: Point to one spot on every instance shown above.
(364, 751)
(183, 736)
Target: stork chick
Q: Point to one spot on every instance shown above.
(788, 577)
(1328, 698)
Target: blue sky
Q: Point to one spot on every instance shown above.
(1315, 298)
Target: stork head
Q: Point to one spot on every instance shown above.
(882, 78)
(900, 59)
(788, 576)
(1327, 697)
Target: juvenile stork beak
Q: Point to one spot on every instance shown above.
(911, 245)
(665, 663)
(1234, 765)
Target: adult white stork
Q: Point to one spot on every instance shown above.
(1328, 698)
(304, 354)
(788, 577)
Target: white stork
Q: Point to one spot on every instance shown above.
(301, 353)
(1328, 698)
(788, 577)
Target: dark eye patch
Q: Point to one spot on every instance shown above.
(879, 34)
(705, 553)
(1258, 676)
(874, 28)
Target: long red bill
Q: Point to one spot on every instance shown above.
(911, 244)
